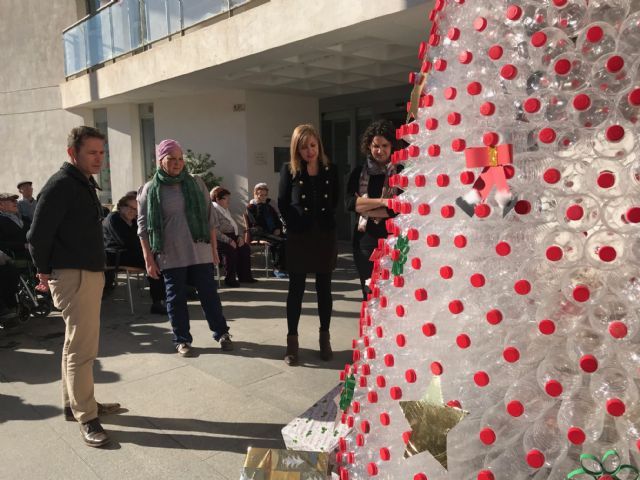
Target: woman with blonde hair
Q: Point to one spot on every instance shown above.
(307, 199)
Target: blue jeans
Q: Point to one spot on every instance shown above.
(202, 277)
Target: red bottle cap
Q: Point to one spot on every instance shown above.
(607, 253)
(482, 210)
(581, 101)
(480, 24)
(421, 294)
(547, 327)
(410, 376)
(554, 253)
(615, 407)
(535, 458)
(522, 287)
(486, 475)
(615, 133)
(581, 293)
(447, 211)
(553, 388)
(481, 379)
(436, 368)
(465, 57)
(463, 340)
(450, 93)
(487, 436)
(474, 88)
(429, 329)
(511, 354)
(562, 66)
(446, 272)
(633, 215)
(551, 175)
(634, 97)
(538, 39)
(454, 118)
(531, 105)
(494, 317)
(456, 307)
(503, 249)
(547, 134)
(576, 435)
(460, 241)
(514, 12)
(615, 64)
(515, 408)
(495, 52)
(595, 34)
(477, 280)
(588, 363)
(453, 33)
(618, 329)
(487, 109)
(606, 179)
(574, 212)
(508, 72)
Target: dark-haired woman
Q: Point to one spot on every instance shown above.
(307, 199)
(367, 193)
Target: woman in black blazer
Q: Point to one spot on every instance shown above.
(307, 200)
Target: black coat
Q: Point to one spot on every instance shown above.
(13, 238)
(258, 215)
(301, 205)
(67, 225)
(121, 241)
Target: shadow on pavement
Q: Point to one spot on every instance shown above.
(218, 436)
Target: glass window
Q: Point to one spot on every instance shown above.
(104, 178)
(147, 129)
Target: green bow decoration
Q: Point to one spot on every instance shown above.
(347, 392)
(398, 265)
(598, 468)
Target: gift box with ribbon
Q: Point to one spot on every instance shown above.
(274, 464)
(319, 428)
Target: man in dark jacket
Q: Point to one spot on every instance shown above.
(13, 227)
(67, 248)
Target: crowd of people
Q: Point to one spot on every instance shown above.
(178, 231)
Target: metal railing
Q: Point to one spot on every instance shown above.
(123, 26)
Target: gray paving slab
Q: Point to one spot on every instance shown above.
(185, 417)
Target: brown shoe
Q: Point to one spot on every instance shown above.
(291, 355)
(326, 353)
(93, 434)
(103, 409)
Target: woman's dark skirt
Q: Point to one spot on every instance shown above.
(313, 251)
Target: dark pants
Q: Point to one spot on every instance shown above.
(202, 278)
(124, 258)
(294, 300)
(363, 246)
(8, 285)
(277, 248)
(236, 261)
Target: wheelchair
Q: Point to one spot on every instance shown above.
(29, 301)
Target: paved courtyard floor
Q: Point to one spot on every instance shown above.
(186, 417)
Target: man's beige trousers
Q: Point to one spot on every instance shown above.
(78, 293)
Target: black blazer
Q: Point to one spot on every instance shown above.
(295, 200)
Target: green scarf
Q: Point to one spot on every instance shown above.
(195, 207)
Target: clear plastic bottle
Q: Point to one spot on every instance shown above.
(581, 411)
(590, 108)
(611, 74)
(629, 103)
(612, 12)
(595, 40)
(629, 38)
(568, 16)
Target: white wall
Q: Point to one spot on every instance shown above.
(124, 149)
(208, 124)
(33, 126)
(271, 119)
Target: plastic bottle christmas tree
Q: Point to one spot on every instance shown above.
(501, 338)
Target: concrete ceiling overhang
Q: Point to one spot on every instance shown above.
(369, 55)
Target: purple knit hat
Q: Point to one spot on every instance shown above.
(164, 147)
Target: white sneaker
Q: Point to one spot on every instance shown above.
(184, 349)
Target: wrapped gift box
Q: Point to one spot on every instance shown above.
(319, 428)
(273, 464)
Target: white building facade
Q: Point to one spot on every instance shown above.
(231, 78)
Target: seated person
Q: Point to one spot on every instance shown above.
(234, 253)
(13, 228)
(8, 286)
(123, 247)
(263, 223)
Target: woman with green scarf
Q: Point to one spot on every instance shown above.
(177, 233)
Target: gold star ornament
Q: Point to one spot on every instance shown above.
(430, 420)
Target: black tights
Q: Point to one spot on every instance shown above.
(294, 300)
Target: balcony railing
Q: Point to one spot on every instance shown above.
(123, 26)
